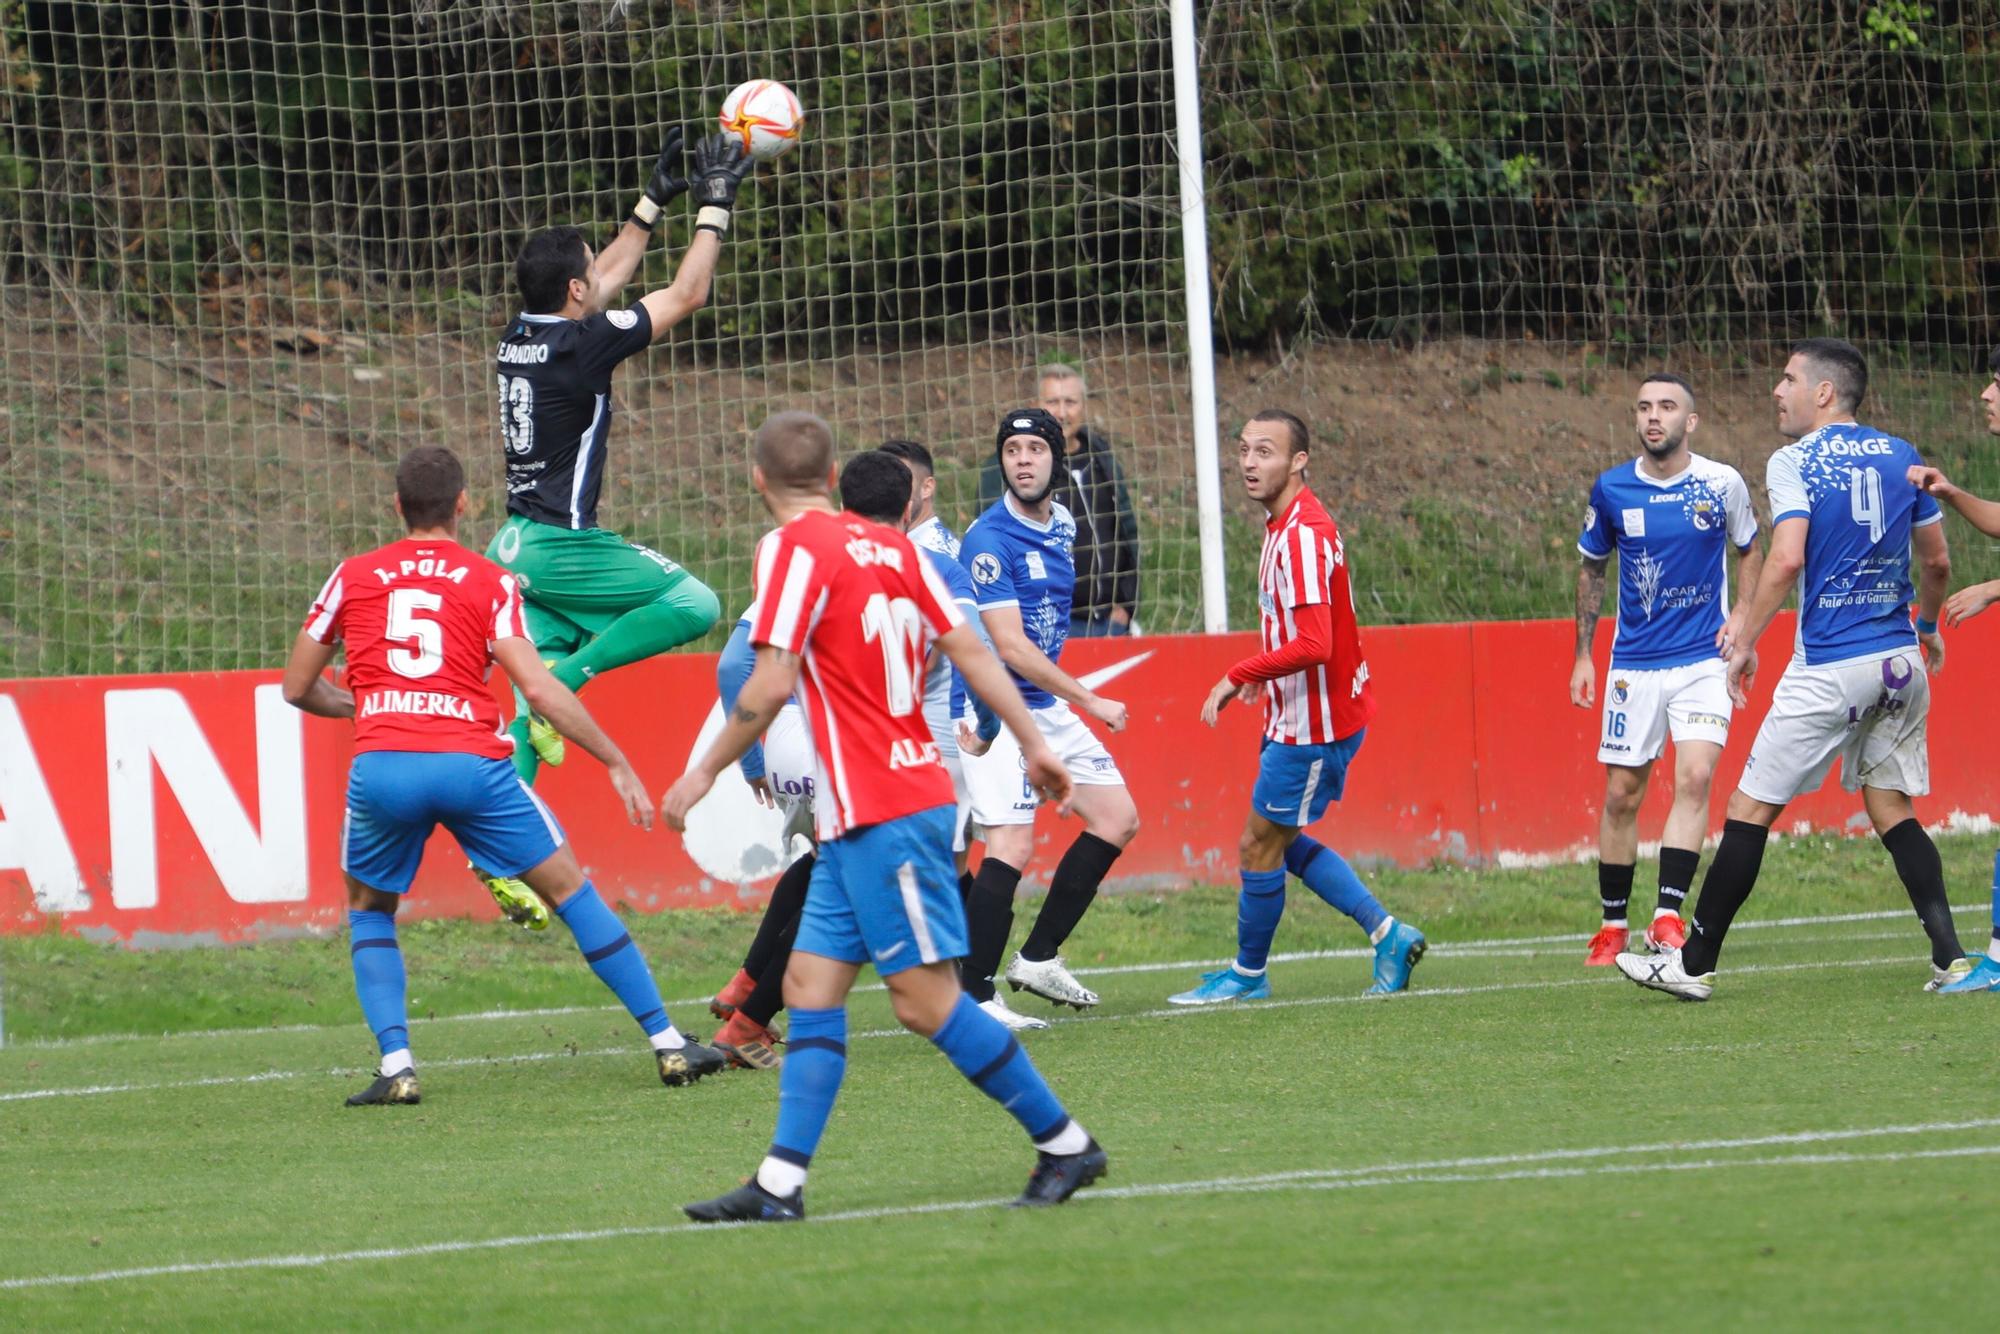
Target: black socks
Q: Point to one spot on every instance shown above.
(1071, 890)
(1614, 889)
(780, 914)
(1922, 874)
(1731, 877)
(1677, 867)
(989, 920)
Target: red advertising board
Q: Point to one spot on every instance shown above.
(170, 807)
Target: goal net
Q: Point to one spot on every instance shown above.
(249, 252)
(254, 251)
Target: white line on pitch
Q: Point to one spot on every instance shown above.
(1457, 1171)
(1171, 1012)
(1495, 946)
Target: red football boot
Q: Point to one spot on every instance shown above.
(1666, 933)
(1606, 946)
(747, 1043)
(724, 1002)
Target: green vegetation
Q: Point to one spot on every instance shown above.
(1617, 170)
(1470, 1153)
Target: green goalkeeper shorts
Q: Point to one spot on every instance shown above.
(576, 582)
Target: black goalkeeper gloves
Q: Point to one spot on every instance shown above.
(721, 162)
(666, 184)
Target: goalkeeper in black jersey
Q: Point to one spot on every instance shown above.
(596, 602)
(593, 601)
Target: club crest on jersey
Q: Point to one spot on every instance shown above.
(1620, 691)
(986, 568)
(1702, 515)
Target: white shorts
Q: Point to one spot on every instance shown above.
(792, 770)
(998, 780)
(1642, 707)
(1869, 715)
(954, 764)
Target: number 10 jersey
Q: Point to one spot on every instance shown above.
(859, 607)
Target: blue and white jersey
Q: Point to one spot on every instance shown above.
(1016, 562)
(944, 691)
(1849, 482)
(1672, 538)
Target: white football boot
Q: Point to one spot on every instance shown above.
(1014, 1022)
(1957, 971)
(1049, 980)
(1663, 972)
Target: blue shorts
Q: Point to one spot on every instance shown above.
(1296, 783)
(886, 893)
(396, 797)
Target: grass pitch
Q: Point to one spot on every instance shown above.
(1517, 1143)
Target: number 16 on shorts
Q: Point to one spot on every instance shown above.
(1642, 708)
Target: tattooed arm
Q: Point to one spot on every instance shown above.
(1590, 579)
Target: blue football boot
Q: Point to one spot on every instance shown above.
(1225, 984)
(1395, 955)
(1984, 976)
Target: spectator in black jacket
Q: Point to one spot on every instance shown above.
(1093, 490)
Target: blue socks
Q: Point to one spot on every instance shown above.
(1258, 909)
(980, 1048)
(976, 1043)
(815, 1063)
(379, 979)
(608, 949)
(1327, 874)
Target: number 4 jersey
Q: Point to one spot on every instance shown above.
(859, 606)
(419, 619)
(1850, 483)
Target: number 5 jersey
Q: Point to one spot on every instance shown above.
(419, 619)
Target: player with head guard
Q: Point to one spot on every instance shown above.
(1018, 553)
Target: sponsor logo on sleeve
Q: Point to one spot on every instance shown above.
(986, 568)
(622, 319)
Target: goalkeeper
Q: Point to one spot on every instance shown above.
(594, 601)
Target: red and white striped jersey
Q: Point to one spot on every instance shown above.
(860, 607)
(419, 619)
(1305, 565)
